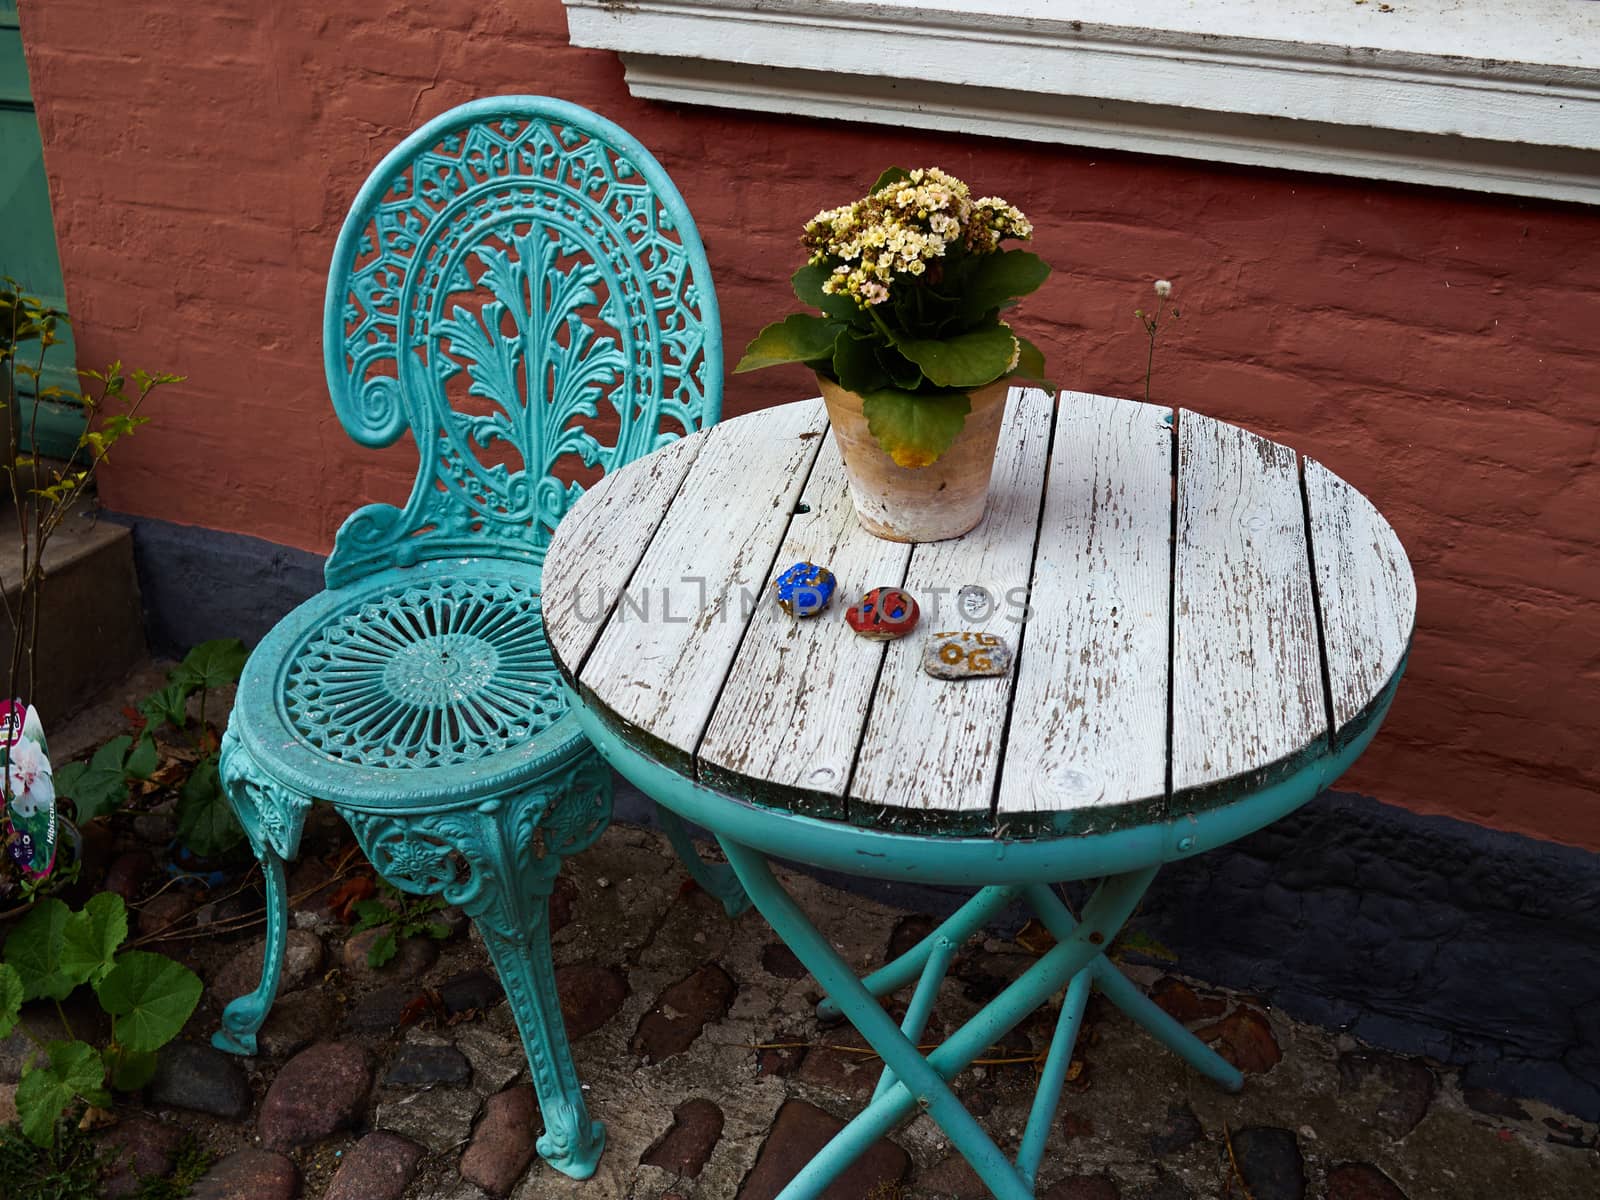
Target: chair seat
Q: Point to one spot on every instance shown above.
(423, 682)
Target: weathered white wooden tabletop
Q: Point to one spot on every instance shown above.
(1196, 612)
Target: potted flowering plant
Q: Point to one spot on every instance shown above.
(911, 352)
(28, 826)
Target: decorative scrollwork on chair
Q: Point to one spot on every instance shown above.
(524, 292)
(272, 815)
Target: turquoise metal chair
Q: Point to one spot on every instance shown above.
(520, 286)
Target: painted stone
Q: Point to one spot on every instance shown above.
(965, 655)
(805, 589)
(975, 603)
(884, 614)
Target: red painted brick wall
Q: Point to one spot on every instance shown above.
(1437, 349)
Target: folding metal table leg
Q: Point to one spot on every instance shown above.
(1048, 1093)
(1126, 995)
(957, 927)
(923, 1081)
(713, 878)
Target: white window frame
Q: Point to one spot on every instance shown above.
(1490, 95)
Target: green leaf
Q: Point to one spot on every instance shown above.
(143, 759)
(129, 1070)
(798, 338)
(902, 372)
(915, 428)
(206, 823)
(150, 997)
(120, 425)
(384, 947)
(892, 175)
(10, 998)
(856, 366)
(371, 914)
(1134, 942)
(90, 938)
(968, 360)
(807, 283)
(168, 705)
(34, 949)
(102, 785)
(74, 1070)
(1030, 365)
(212, 664)
(997, 278)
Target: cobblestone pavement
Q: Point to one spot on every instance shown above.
(697, 1039)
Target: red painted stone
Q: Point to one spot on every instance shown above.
(884, 614)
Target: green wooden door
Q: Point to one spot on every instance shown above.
(28, 238)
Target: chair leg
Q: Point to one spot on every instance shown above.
(272, 817)
(572, 1142)
(498, 860)
(716, 878)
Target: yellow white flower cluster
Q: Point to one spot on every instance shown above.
(901, 230)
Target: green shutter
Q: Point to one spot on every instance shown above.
(28, 239)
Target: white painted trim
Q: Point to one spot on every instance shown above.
(1499, 103)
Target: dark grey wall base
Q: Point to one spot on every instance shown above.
(200, 584)
(1424, 935)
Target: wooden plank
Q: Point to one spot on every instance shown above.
(600, 541)
(931, 750)
(1365, 592)
(792, 710)
(1087, 749)
(1248, 696)
(662, 658)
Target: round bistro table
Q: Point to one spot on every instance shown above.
(1207, 629)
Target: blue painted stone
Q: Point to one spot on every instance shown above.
(805, 589)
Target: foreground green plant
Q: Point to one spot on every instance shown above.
(50, 954)
(911, 282)
(206, 823)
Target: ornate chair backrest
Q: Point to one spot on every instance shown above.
(521, 286)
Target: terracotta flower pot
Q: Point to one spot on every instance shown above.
(918, 504)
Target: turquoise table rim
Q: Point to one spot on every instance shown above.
(970, 861)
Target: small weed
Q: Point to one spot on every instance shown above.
(1152, 327)
(206, 824)
(67, 1169)
(401, 916)
(191, 1163)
